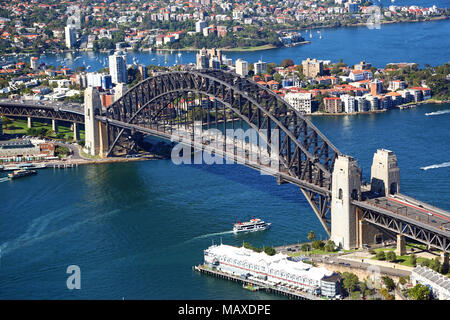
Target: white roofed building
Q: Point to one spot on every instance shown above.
(279, 268)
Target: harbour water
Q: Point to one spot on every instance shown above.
(136, 229)
(420, 42)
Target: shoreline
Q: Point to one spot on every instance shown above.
(238, 49)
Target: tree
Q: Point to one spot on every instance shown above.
(380, 255)
(318, 244)
(350, 281)
(311, 235)
(391, 256)
(306, 247)
(269, 251)
(386, 295)
(286, 63)
(413, 260)
(330, 246)
(388, 282)
(419, 292)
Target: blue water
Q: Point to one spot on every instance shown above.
(136, 229)
(421, 42)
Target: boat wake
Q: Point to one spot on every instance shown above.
(4, 179)
(437, 113)
(436, 166)
(212, 234)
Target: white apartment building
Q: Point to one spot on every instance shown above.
(118, 68)
(241, 67)
(301, 102)
(70, 36)
(349, 103)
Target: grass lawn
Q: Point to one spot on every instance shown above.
(20, 126)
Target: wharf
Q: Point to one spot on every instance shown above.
(259, 284)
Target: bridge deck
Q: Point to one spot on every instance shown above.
(406, 207)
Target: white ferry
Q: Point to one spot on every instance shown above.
(252, 225)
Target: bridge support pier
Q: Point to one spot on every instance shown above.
(76, 132)
(29, 123)
(103, 132)
(346, 185)
(54, 125)
(401, 245)
(444, 258)
(92, 107)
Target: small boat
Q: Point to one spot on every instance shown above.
(21, 173)
(254, 224)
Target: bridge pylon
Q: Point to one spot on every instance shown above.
(92, 107)
(385, 174)
(346, 186)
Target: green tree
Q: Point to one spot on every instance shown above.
(380, 255)
(413, 260)
(419, 292)
(388, 282)
(386, 295)
(269, 251)
(350, 281)
(306, 247)
(330, 246)
(318, 244)
(391, 256)
(311, 236)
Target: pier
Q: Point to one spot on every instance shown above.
(259, 284)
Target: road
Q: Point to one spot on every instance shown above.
(412, 208)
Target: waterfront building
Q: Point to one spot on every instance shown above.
(19, 150)
(397, 85)
(373, 101)
(349, 103)
(242, 67)
(426, 92)
(207, 58)
(118, 67)
(376, 87)
(260, 67)
(300, 101)
(332, 104)
(70, 36)
(279, 268)
(312, 67)
(438, 283)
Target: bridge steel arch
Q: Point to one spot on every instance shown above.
(161, 104)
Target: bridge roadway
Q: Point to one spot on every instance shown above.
(241, 152)
(410, 217)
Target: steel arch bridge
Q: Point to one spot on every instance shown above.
(172, 103)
